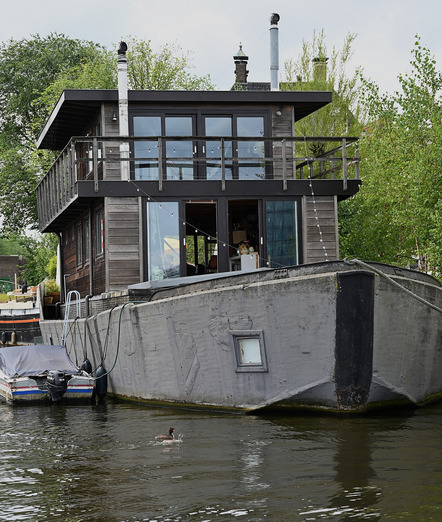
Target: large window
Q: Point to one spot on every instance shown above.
(282, 233)
(163, 242)
(146, 167)
(253, 152)
(218, 126)
(253, 166)
(242, 159)
(177, 151)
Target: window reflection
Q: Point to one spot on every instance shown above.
(251, 168)
(163, 240)
(177, 151)
(147, 167)
(282, 233)
(218, 126)
(249, 351)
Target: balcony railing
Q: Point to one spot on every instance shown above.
(176, 158)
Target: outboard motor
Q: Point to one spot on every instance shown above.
(57, 384)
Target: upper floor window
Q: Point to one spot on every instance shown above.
(187, 159)
(147, 166)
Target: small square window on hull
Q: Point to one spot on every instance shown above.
(249, 349)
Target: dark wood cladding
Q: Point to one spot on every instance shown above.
(123, 242)
(77, 106)
(85, 186)
(320, 229)
(78, 275)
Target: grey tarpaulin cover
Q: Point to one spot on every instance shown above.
(23, 361)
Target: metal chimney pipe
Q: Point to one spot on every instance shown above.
(123, 110)
(274, 52)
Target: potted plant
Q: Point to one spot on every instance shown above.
(52, 291)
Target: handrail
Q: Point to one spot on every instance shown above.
(253, 158)
(71, 293)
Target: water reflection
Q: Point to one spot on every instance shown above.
(103, 463)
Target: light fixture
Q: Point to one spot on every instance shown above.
(114, 116)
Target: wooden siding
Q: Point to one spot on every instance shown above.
(78, 276)
(283, 125)
(111, 149)
(122, 232)
(320, 217)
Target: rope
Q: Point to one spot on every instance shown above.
(118, 337)
(393, 282)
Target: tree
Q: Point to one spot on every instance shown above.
(166, 69)
(9, 247)
(39, 253)
(33, 74)
(318, 69)
(396, 217)
(27, 68)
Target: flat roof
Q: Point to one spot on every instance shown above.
(76, 107)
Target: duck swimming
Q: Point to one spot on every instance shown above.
(170, 436)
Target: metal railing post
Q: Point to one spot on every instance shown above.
(223, 166)
(160, 164)
(344, 163)
(95, 162)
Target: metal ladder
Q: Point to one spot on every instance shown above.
(76, 293)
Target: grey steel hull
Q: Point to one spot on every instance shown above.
(334, 337)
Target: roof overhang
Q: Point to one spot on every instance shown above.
(76, 108)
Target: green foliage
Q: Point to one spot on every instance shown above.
(38, 253)
(97, 72)
(9, 247)
(51, 287)
(396, 217)
(52, 267)
(166, 69)
(27, 68)
(33, 74)
(317, 69)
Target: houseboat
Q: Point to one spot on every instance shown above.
(201, 236)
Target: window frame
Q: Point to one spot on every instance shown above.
(241, 367)
(198, 116)
(99, 233)
(79, 244)
(86, 241)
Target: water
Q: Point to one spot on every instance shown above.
(102, 463)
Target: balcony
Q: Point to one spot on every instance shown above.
(97, 166)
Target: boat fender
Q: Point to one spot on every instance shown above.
(3, 337)
(13, 337)
(86, 366)
(101, 382)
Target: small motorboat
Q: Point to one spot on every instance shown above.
(41, 372)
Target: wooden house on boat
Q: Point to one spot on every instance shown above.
(154, 185)
(217, 227)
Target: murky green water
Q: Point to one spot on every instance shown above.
(102, 463)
